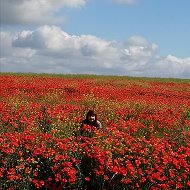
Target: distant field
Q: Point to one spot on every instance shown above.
(144, 143)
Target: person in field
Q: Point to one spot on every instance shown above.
(88, 125)
(91, 120)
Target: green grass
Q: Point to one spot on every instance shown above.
(109, 77)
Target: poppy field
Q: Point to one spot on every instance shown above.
(144, 142)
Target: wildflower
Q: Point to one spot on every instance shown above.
(87, 178)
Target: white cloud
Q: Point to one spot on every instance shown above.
(137, 40)
(169, 67)
(54, 40)
(34, 11)
(49, 49)
(138, 47)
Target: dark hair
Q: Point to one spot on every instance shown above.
(86, 121)
(91, 112)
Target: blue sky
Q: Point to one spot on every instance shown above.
(165, 22)
(111, 37)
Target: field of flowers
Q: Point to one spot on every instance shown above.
(144, 143)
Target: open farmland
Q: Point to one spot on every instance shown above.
(144, 143)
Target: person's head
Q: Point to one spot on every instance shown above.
(91, 116)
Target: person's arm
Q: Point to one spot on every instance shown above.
(99, 125)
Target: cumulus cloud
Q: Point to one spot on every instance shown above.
(139, 47)
(49, 49)
(34, 11)
(53, 41)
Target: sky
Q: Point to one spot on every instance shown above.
(140, 38)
